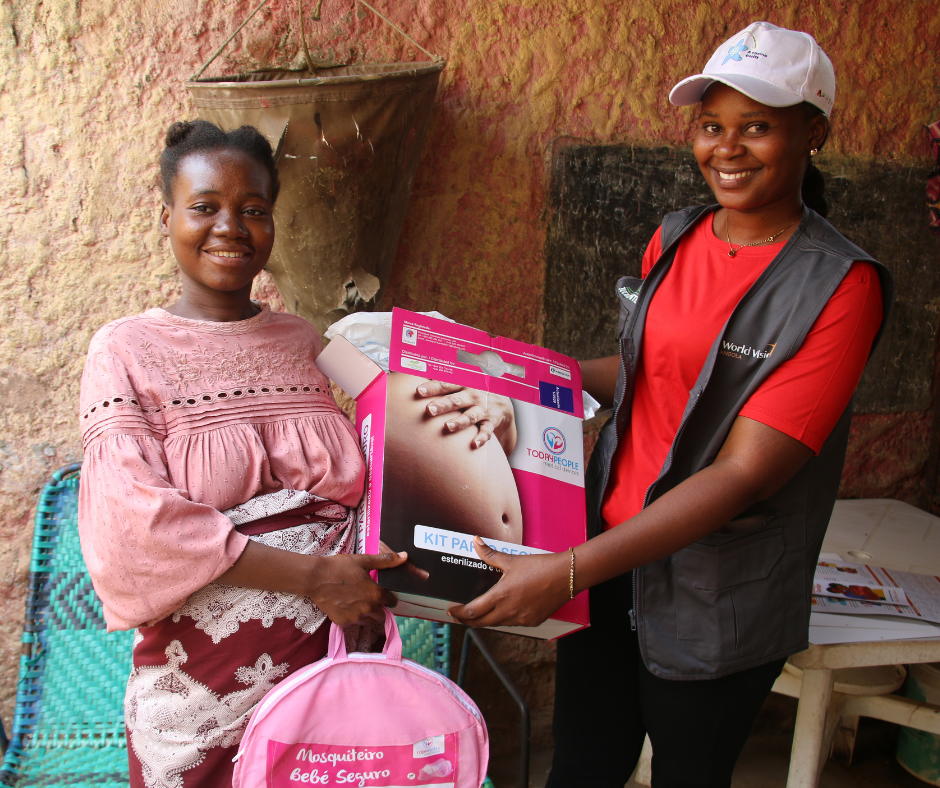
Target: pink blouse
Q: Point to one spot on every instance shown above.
(183, 419)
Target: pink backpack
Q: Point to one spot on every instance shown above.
(364, 720)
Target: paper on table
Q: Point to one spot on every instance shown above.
(860, 591)
(827, 629)
(854, 581)
(834, 620)
(827, 636)
(839, 571)
(922, 592)
(852, 607)
(871, 622)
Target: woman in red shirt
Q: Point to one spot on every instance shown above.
(765, 98)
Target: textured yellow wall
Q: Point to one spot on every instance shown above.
(86, 90)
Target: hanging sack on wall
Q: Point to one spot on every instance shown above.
(373, 720)
(347, 138)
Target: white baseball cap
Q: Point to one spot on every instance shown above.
(770, 64)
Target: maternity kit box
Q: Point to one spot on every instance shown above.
(430, 488)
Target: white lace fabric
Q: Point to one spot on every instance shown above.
(263, 506)
(219, 609)
(172, 719)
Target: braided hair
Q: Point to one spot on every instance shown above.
(813, 190)
(191, 136)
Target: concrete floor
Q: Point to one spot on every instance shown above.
(766, 757)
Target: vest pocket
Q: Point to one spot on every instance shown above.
(729, 604)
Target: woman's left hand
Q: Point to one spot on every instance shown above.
(531, 589)
(493, 414)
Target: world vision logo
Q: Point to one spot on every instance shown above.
(630, 294)
(745, 351)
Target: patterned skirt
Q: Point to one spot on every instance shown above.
(199, 673)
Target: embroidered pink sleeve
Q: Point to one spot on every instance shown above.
(147, 545)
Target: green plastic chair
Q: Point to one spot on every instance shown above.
(68, 727)
(426, 642)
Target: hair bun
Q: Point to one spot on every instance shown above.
(200, 136)
(177, 132)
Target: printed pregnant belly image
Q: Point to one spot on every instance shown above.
(438, 479)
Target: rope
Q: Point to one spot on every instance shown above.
(391, 24)
(229, 40)
(303, 36)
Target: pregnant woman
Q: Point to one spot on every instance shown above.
(219, 477)
(711, 486)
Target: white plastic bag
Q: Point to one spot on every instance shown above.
(591, 405)
(371, 333)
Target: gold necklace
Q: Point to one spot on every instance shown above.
(732, 251)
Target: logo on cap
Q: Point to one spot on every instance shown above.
(734, 52)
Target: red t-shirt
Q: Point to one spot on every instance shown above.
(802, 398)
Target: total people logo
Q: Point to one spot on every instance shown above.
(554, 440)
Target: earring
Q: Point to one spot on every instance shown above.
(814, 151)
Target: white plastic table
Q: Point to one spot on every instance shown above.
(879, 532)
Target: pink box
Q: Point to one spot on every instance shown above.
(429, 491)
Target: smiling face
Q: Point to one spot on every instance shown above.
(754, 156)
(220, 221)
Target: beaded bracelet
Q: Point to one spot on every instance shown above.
(571, 575)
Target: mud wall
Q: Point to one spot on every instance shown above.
(86, 89)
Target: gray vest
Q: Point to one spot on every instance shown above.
(740, 597)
